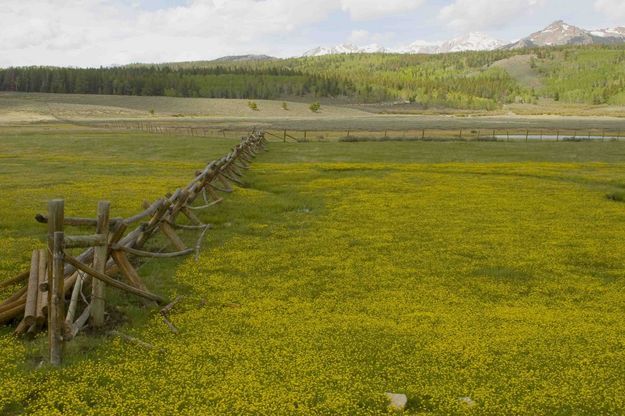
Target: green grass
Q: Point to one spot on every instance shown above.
(339, 272)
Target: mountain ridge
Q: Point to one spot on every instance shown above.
(558, 33)
(472, 41)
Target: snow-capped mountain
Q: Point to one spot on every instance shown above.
(419, 46)
(615, 32)
(472, 42)
(556, 34)
(475, 41)
(345, 48)
(561, 33)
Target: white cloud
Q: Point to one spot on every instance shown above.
(371, 9)
(613, 9)
(485, 14)
(102, 32)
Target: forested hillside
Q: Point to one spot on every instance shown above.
(584, 75)
(468, 80)
(215, 82)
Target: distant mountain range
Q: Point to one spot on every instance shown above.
(557, 34)
(472, 42)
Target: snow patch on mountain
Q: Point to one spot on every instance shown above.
(345, 48)
(471, 42)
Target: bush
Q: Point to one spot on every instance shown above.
(315, 107)
(252, 105)
(618, 196)
(285, 106)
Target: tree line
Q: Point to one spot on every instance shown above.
(218, 82)
(593, 75)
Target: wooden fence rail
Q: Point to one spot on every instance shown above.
(57, 279)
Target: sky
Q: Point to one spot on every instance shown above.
(91, 33)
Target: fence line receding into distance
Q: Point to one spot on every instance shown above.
(53, 288)
(495, 134)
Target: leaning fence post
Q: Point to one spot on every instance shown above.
(56, 275)
(100, 256)
(57, 309)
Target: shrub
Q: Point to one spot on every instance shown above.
(285, 106)
(618, 196)
(315, 107)
(252, 105)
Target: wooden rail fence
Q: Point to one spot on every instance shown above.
(55, 284)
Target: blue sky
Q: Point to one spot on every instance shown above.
(101, 32)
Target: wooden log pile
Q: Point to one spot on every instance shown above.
(65, 293)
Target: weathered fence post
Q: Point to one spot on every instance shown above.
(100, 256)
(30, 311)
(57, 308)
(56, 274)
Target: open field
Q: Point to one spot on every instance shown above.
(25, 109)
(340, 271)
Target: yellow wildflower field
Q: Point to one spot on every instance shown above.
(326, 284)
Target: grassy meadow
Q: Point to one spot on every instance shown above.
(341, 271)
